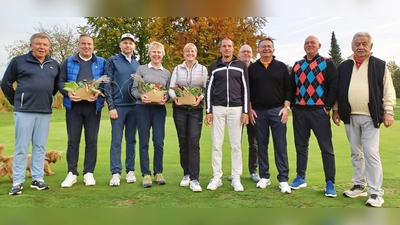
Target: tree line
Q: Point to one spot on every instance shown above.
(173, 32)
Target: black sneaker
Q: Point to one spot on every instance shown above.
(16, 189)
(39, 184)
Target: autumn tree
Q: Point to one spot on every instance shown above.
(64, 42)
(205, 33)
(335, 52)
(174, 33)
(106, 32)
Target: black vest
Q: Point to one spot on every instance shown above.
(376, 72)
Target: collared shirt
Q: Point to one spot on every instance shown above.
(127, 57)
(151, 66)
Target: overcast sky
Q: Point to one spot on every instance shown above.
(289, 32)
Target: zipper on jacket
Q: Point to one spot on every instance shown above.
(227, 83)
(42, 64)
(22, 99)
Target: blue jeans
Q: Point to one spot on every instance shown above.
(188, 124)
(151, 117)
(126, 120)
(30, 127)
(269, 119)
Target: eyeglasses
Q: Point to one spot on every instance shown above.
(244, 51)
(265, 46)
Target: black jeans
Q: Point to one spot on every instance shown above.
(319, 122)
(82, 114)
(253, 154)
(188, 124)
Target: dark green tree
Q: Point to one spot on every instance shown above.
(395, 71)
(106, 32)
(335, 52)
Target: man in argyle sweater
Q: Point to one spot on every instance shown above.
(315, 85)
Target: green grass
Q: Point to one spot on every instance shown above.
(172, 195)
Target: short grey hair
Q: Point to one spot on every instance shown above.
(40, 35)
(362, 34)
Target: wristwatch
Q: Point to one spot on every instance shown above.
(390, 112)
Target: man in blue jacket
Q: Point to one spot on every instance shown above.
(83, 66)
(36, 75)
(121, 108)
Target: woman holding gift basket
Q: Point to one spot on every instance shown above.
(149, 88)
(187, 84)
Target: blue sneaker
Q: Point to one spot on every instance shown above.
(330, 189)
(298, 182)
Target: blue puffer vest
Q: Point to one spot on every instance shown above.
(73, 67)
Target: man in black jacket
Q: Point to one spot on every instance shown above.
(227, 101)
(36, 74)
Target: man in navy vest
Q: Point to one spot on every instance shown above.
(85, 65)
(362, 115)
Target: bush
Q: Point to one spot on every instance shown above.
(5, 106)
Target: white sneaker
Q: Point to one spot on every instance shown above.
(195, 186)
(130, 177)
(263, 183)
(89, 179)
(214, 184)
(185, 181)
(237, 186)
(115, 180)
(69, 180)
(375, 200)
(285, 188)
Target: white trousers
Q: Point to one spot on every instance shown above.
(365, 157)
(230, 116)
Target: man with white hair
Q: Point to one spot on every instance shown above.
(362, 115)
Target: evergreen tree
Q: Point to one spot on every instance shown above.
(335, 52)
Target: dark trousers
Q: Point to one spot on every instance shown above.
(188, 124)
(82, 114)
(126, 121)
(319, 122)
(151, 117)
(266, 120)
(253, 154)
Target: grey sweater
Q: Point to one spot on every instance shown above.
(151, 75)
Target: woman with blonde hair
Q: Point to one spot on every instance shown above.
(151, 114)
(188, 118)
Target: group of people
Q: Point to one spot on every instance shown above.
(237, 93)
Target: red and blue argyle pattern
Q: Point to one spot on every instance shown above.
(309, 80)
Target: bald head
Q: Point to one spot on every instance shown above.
(245, 54)
(311, 46)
